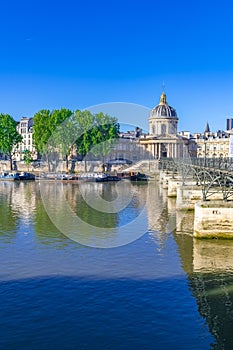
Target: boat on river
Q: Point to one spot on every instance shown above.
(107, 178)
(9, 176)
(134, 176)
(25, 176)
(57, 176)
(15, 176)
(138, 176)
(89, 177)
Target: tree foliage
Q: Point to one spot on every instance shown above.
(27, 157)
(85, 122)
(45, 124)
(104, 134)
(9, 137)
(60, 130)
(97, 133)
(47, 135)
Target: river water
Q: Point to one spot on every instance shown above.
(108, 266)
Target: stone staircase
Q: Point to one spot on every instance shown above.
(147, 167)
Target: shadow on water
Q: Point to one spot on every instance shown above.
(75, 313)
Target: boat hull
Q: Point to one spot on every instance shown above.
(108, 178)
(16, 176)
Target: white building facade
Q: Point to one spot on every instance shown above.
(25, 129)
(163, 139)
(214, 144)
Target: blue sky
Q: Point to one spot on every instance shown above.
(76, 54)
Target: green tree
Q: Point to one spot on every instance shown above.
(63, 137)
(57, 132)
(9, 137)
(104, 134)
(85, 122)
(41, 130)
(27, 158)
(49, 133)
(96, 133)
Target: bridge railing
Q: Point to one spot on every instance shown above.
(212, 174)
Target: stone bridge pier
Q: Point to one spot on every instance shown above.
(213, 218)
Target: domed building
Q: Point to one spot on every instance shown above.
(163, 118)
(163, 139)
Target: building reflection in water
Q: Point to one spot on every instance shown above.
(161, 215)
(207, 263)
(24, 199)
(209, 267)
(184, 222)
(22, 209)
(22, 202)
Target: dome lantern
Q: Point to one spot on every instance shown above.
(163, 100)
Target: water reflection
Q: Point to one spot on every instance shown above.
(212, 256)
(184, 222)
(208, 264)
(9, 216)
(161, 215)
(209, 267)
(94, 214)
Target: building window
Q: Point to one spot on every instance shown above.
(163, 129)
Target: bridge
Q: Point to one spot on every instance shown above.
(204, 185)
(213, 175)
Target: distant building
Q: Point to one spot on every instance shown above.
(163, 139)
(213, 144)
(128, 148)
(25, 129)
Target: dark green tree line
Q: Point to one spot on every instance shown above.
(61, 130)
(9, 137)
(57, 133)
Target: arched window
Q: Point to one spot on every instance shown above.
(163, 129)
(173, 129)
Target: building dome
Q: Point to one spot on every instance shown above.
(163, 119)
(163, 110)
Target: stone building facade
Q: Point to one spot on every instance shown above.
(213, 144)
(25, 129)
(163, 139)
